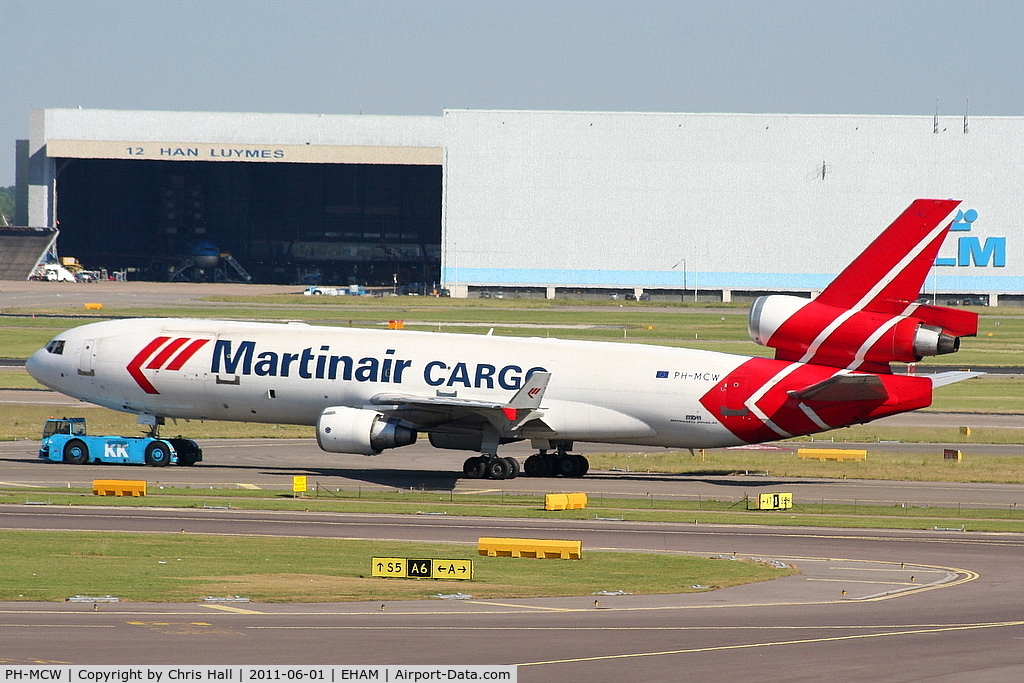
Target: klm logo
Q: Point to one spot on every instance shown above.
(971, 251)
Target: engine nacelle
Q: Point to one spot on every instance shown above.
(805, 329)
(341, 429)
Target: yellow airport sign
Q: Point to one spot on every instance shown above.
(771, 501)
(407, 568)
(388, 566)
(452, 569)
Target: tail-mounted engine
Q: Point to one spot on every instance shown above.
(809, 331)
(340, 429)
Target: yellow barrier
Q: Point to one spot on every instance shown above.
(118, 487)
(837, 454)
(565, 501)
(94, 307)
(530, 547)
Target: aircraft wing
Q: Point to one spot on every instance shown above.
(523, 406)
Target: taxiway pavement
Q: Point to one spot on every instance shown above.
(917, 605)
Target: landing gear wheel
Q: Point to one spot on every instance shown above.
(583, 466)
(76, 452)
(566, 465)
(538, 465)
(513, 468)
(158, 455)
(474, 468)
(534, 466)
(498, 468)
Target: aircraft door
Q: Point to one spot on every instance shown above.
(85, 365)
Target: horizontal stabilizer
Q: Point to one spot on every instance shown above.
(954, 321)
(941, 379)
(843, 388)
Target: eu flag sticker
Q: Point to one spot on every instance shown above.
(662, 374)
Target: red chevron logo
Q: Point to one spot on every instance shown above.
(162, 355)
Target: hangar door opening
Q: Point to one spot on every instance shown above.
(373, 225)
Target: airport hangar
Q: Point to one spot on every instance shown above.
(708, 207)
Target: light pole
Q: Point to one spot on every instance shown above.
(682, 294)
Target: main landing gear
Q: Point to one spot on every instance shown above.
(541, 464)
(490, 467)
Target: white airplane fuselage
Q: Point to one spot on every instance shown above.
(290, 373)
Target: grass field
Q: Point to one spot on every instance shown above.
(52, 566)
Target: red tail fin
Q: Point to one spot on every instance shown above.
(867, 318)
(890, 273)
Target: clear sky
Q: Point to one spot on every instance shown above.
(420, 57)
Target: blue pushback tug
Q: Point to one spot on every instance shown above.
(65, 440)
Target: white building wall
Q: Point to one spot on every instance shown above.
(586, 199)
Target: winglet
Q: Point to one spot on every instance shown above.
(529, 396)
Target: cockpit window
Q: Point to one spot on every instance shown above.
(56, 347)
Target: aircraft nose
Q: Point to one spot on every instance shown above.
(41, 366)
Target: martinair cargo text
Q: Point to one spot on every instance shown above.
(369, 390)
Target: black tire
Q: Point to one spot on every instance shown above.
(498, 468)
(158, 454)
(543, 466)
(584, 466)
(474, 468)
(565, 465)
(76, 452)
(534, 466)
(513, 467)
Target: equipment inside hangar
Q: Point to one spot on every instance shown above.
(281, 223)
(272, 198)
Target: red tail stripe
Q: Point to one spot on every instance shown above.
(187, 353)
(166, 353)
